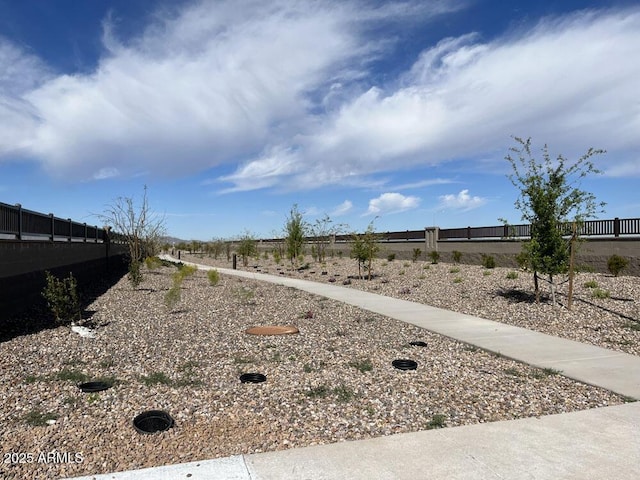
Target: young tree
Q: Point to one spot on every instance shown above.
(549, 198)
(247, 247)
(321, 232)
(140, 227)
(364, 249)
(295, 229)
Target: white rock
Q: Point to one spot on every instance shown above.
(83, 331)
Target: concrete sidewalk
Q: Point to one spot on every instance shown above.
(597, 444)
(592, 444)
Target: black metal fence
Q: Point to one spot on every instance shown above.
(615, 228)
(606, 228)
(17, 223)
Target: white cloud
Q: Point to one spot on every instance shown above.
(461, 201)
(423, 183)
(245, 83)
(630, 168)
(463, 98)
(391, 203)
(106, 172)
(342, 209)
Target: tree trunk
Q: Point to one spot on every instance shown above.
(553, 290)
(536, 286)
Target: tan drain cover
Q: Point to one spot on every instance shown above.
(272, 330)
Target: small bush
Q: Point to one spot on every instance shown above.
(343, 393)
(391, 257)
(152, 263)
(591, 284)
(362, 366)
(457, 256)
(71, 376)
(36, 418)
(599, 293)
(172, 297)
(416, 254)
(616, 264)
(512, 275)
(156, 378)
(457, 280)
(522, 259)
(454, 270)
(135, 275)
(62, 298)
(486, 273)
(437, 421)
(434, 256)
(188, 270)
(488, 261)
(213, 276)
(320, 391)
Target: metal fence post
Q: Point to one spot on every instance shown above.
(70, 229)
(616, 227)
(19, 207)
(53, 227)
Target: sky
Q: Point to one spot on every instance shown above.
(231, 112)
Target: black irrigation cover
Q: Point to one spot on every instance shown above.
(153, 421)
(252, 378)
(91, 387)
(418, 343)
(404, 364)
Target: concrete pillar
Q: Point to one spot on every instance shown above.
(431, 238)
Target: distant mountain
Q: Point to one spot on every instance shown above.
(172, 240)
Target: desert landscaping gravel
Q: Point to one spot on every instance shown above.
(331, 382)
(612, 322)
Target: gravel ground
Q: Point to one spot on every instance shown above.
(612, 322)
(332, 382)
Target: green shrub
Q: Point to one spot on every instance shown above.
(434, 256)
(457, 256)
(188, 270)
(599, 293)
(36, 418)
(68, 375)
(172, 297)
(391, 257)
(277, 257)
(213, 276)
(437, 421)
(522, 259)
(488, 261)
(156, 378)
(486, 273)
(62, 298)
(512, 275)
(457, 280)
(416, 254)
(364, 365)
(591, 284)
(135, 274)
(152, 263)
(616, 264)
(454, 270)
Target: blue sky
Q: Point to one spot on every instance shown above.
(232, 111)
